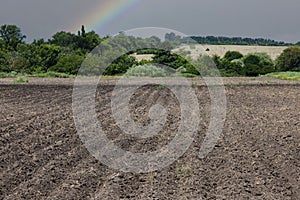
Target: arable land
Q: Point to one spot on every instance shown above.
(256, 157)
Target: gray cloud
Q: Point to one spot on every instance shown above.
(275, 19)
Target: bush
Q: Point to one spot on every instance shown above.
(233, 55)
(233, 69)
(188, 75)
(51, 75)
(289, 60)
(146, 71)
(229, 68)
(68, 63)
(146, 51)
(258, 64)
(3, 61)
(21, 79)
(206, 66)
(172, 60)
(191, 69)
(120, 65)
(12, 74)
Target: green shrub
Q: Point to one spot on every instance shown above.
(51, 75)
(258, 64)
(146, 71)
(204, 66)
(170, 59)
(233, 55)
(289, 60)
(120, 65)
(184, 170)
(188, 75)
(294, 76)
(160, 87)
(146, 51)
(21, 79)
(69, 63)
(12, 74)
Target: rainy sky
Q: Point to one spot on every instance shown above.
(274, 19)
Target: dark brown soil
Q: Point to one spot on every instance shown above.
(257, 157)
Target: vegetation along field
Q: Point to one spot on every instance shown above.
(63, 54)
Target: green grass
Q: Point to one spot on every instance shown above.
(271, 82)
(184, 75)
(184, 170)
(21, 79)
(291, 76)
(8, 75)
(161, 87)
(51, 75)
(146, 71)
(36, 75)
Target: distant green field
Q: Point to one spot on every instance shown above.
(293, 76)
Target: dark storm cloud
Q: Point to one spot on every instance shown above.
(276, 19)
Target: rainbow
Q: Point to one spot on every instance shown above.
(107, 11)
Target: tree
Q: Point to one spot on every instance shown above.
(68, 63)
(64, 39)
(3, 61)
(258, 64)
(120, 65)
(228, 68)
(88, 41)
(82, 31)
(205, 66)
(50, 54)
(83, 41)
(173, 38)
(170, 59)
(38, 42)
(237, 41)
(232, 55)
(16, 62)
(11, 36)
(38, 57)
(289, 60)
(166, 45)
(29, 52)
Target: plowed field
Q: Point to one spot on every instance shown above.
(257, 156)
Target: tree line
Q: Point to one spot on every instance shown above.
(212, 40)
(65, 52)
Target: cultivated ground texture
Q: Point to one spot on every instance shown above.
(257, 157)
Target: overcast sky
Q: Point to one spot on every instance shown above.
(274, 19)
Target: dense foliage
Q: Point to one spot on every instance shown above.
(237, 41)
(64, 53)
(252, 64)
(11, 36)
(289, 60)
